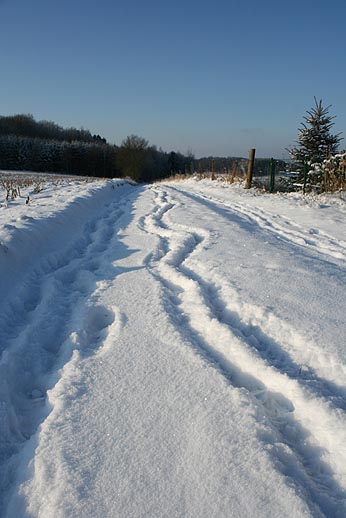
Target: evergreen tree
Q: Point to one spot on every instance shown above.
(315, 142)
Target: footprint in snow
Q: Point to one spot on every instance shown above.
(97, 320)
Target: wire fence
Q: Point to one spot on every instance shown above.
(271, 175)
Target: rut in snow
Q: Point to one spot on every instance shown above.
(283, 228)
(251, 324)
(37, 324)
(297, 417)
(323, 372)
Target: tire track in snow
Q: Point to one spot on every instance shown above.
(268, 348)
(38, 333)
(300, 422)
(264, 331)
(327, 374)
(283, 227)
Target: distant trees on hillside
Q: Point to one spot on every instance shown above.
(236, 165)
(145, 163)
(78, 158)
(26, 144)
(24, 125)
(222, 164)
(29, 145)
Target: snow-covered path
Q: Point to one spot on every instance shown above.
(183, 355)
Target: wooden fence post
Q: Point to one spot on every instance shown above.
(248, 181)
(212, 170)
(272, 175)
(200, 170)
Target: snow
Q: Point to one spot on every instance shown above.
(173, 350)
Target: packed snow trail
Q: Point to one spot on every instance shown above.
(283, 227)
(197, 299)
(181, 377)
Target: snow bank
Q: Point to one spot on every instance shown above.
(47, 224)
(46, 247)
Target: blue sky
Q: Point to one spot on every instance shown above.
(213, 77)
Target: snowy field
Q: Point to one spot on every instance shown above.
(172, 350)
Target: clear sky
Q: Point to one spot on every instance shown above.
(214, 77)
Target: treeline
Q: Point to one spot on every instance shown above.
(29, 145)
(25, 126)
(221, 165)
(43, 146)
(76, 158)
(235, 165)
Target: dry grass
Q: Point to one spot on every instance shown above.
(13, 182)
(334, 173)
